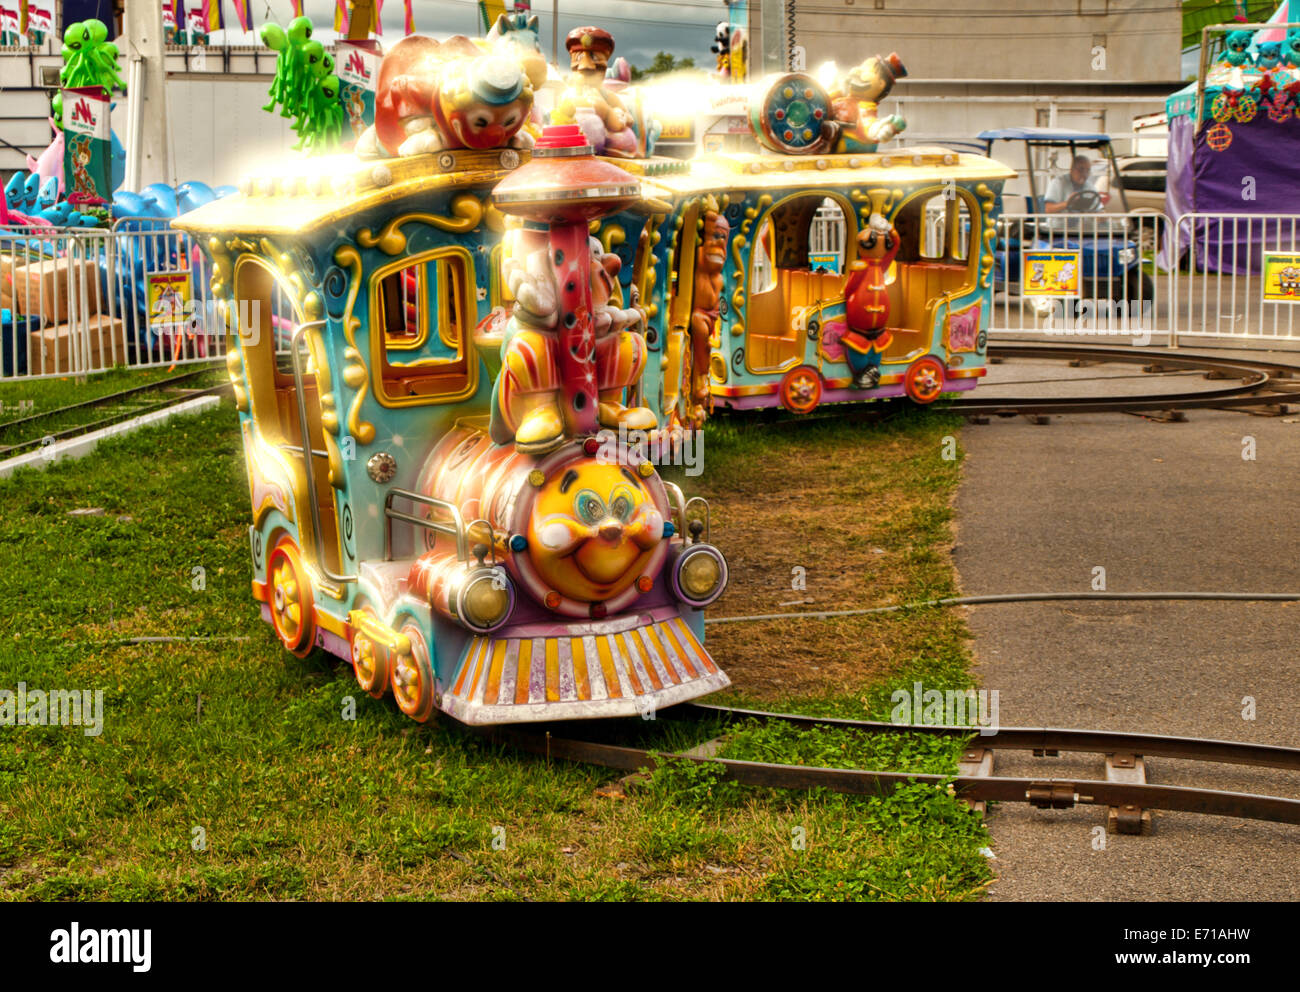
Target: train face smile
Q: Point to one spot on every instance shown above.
(593, 529)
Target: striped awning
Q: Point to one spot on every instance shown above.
(585, 673)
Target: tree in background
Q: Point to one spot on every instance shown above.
(663, 62)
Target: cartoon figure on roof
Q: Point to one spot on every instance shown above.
(609, 125)
(452, 94)
(856, 100)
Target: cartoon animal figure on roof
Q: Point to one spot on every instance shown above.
(856, 101)
(721, 47)
(710, 258)
(608, 126)
(434, 95)
(528, 395)
(1237, 52)
(515, 36)
(867, 302)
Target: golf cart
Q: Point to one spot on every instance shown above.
(1097, 222)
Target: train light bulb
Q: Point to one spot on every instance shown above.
(485, 603)
(701, 575)
(645, 583)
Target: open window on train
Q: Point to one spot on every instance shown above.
(423, 311)
(946, 231)
(801, 247)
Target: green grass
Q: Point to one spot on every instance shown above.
(241, 744)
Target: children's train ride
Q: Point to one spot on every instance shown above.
(440, 491)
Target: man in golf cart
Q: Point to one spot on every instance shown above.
(1075, 192)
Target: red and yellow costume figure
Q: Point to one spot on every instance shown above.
(866, 302)
(527, 400)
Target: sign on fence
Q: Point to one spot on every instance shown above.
(1052, 274)
(1281, 278)
(169, 298)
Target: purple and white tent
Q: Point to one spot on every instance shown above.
(1241, 157)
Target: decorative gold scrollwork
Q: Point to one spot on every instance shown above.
(355, 374)
(467, 212)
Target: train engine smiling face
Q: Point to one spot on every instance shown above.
(595, 529)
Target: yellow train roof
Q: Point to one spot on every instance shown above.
(303, 195)
(909, 166)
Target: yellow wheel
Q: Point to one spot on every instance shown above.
(292, 613)
(370, 664)
(413, 677)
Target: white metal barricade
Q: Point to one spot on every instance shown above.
(1220, 282)
(80, 301)
(1104, 282)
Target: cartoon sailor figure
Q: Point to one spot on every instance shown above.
(866, 302)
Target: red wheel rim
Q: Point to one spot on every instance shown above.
(924, 380)
(290, 597)
(801, 389)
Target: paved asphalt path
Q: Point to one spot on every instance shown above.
(1161, 507)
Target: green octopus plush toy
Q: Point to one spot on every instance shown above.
(89, 58)
(305, 86)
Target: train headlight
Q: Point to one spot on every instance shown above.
(699, 574)
(486, 599)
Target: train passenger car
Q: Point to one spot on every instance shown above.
(493, 577)
(761, 258)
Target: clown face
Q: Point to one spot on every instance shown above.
(593, 530)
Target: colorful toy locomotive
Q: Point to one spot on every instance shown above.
(413, 515)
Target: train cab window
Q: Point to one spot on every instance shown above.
(423, 312)
(934, 262)
(797, 262)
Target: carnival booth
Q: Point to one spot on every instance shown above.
(1234, 148)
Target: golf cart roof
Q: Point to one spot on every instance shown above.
(1045, 136)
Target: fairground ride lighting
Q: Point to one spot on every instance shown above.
(827, 73)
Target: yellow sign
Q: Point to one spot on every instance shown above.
(1053, 274)
(1282, 278)
(681, 130)
(169, 298)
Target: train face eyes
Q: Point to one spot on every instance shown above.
(588, 507)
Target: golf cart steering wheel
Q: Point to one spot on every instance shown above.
(1085, 201)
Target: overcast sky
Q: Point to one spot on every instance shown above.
(640, 27)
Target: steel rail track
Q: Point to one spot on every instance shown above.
(1043, 793)
(1262, 383)
(127, 414)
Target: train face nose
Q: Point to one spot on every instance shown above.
(612, 531)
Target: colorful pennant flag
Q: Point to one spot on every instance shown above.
(379, 18)
(212, 15)
(409, 27)
(297, 7)
(243, 14)
(340, 17)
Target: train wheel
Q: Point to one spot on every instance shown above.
(924, 380)
(801, 389)
(370, 664)
(291, 599)
(413, 677)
